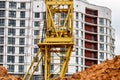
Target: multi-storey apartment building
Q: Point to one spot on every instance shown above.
(21, 21)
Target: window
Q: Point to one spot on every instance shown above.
(82, 16)
(77, 24)
(21, 50)
(21, 41)
(81, 25)
(77, 51)
(63, 15)
(11, 68)
(77, 15)
(1, 40)
(12, 4)
(1, 58)
(2, 22)
(11, 40)
(37, 15)
(81, 52)
(11, 31)
(2, 13)
(101, 21)
(102, 38)
(81, 43)
(77, 42)
(76, 68)
(10, 59)
(102, 30)
(36, 32)
(101, 55)
(36, 41)
(77, 60)
(12, 14)
(22, 23)
(11, 49)
(101, 46)
(44, 15)
(1, 49)
(35, 50)
(21, 59)
(1, 31)
(81, 34)
(11, 22)
(77, 33)
(52, 68)
(22, 32)
(36, 24)
(21, 68)
(22, 5)
(2, 4)
(81, 61)
(22, 14)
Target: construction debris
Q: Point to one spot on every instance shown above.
(108, 70)
(5, 76)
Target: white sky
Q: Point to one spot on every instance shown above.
(114, 5)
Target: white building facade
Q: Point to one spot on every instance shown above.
(22, 21)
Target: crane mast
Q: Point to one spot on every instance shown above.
(58, 37)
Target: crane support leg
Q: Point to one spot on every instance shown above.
(65, 63)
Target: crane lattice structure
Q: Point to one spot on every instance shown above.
(58, 37)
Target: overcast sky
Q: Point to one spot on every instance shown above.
(114, 5)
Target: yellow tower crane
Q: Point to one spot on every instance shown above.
(58, 37)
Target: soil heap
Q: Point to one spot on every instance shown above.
(108, 70)
(5, 76)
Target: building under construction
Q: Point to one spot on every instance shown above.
(22, 27)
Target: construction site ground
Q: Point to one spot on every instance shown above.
(108, 70)
(5, 76)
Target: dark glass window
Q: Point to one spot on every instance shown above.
(37, 15)
(35, 50)
(11, 49)
(36, 24)
(11, 68)
(22, 23)
(12, 22)
(1, 58)
(2, 13)
(21, 59)
(11, 40)
(10, 59)
(21, 68)
(2, 4)
(22, 41)
(36, 32)
(1, 31)
(22, 14)
(22, 32)
(77, 15)
(1, 40)
(12, 14)
(36, 41)
(12, 4)
(21, 50)
(1, 49)
(11, 31)
(23, 5)
(2, 22)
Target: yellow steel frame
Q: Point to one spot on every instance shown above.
(56, 36)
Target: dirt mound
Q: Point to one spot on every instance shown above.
(4, 75)
(108, 70)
